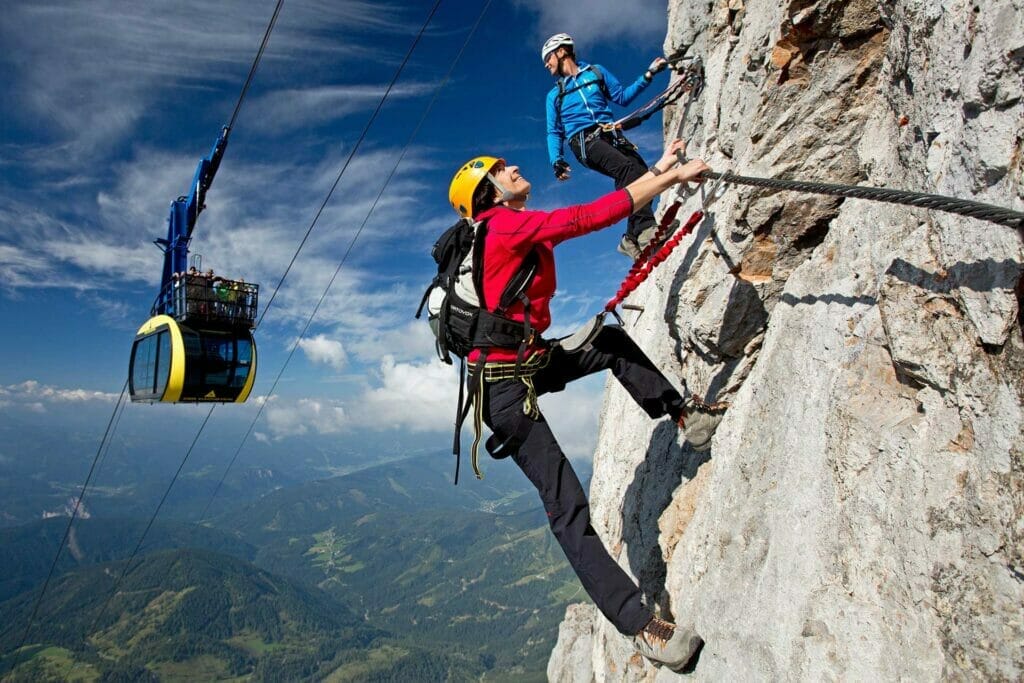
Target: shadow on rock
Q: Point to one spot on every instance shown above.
(841, 299)
(655, 481)
(981, 276)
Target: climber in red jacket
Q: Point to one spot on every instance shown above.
(510, 382)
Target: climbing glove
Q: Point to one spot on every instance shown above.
(561, 168)
(656, 66)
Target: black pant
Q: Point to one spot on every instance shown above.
(537, 453)
(616, 157)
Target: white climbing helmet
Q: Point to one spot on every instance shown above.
(553, 43)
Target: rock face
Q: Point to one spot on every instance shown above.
(861, 513)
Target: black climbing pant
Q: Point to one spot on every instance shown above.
(535, 450)
(616, 157)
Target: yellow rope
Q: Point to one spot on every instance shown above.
(497, 372)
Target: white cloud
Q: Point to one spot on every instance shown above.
(410, 341)
(573, 415)
(320, 349)
(417, 396)
(285, 418)
(287, 109)
(32, 393)
(596, 21)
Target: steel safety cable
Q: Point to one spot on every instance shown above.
(646, 263)
(106, 451)
(352, 153)
(387, 182)
(67, 531)
(934, 202)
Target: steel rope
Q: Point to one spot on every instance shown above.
(935, 202)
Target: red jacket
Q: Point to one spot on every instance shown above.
(511, 234)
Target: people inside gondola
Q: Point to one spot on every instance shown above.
(204, 294)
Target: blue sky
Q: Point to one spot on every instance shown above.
(109, 105)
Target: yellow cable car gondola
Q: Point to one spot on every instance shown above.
(197, 346)
(210, 356)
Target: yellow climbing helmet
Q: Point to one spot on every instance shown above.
(465, 182)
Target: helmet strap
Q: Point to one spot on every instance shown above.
(506, 194)
(561, 60)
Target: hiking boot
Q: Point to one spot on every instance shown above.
(646, 236)
(699, 420)
(664, 642)
(628, 247)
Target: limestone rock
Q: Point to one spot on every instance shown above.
(861, 513)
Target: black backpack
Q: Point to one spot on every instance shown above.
(459, 317)
(454, 299)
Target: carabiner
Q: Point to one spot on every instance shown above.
(709, 195)
(684, 190)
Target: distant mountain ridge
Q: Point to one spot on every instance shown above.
(179, 611)
(26, 552)
(471, 569)
(448, 582)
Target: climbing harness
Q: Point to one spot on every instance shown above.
(563, 91)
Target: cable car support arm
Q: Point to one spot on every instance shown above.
(182, 219)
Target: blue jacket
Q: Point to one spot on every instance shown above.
(582, 107)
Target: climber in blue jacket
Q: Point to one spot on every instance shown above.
(578, 112)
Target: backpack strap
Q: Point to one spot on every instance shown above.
(562, 92)
(515, 290)
(426, 297)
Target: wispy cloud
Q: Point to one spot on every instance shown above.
(90, 71)
(595, 21)
(34, 394)
(19, 268)
(284, 110)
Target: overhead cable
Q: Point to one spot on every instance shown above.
(351, 154)
(344, 258)
(67, 531)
